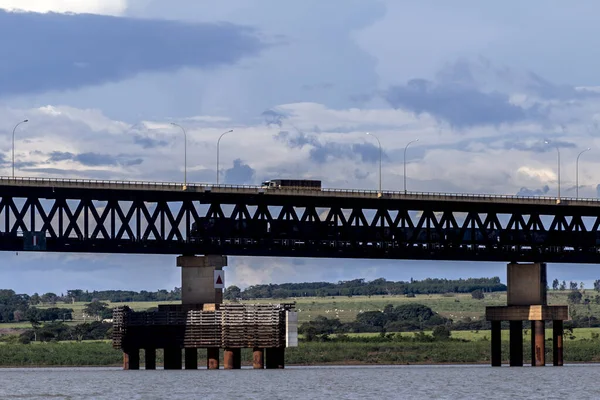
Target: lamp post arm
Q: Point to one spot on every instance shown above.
(406, 148)
(13, 145)
(218, 144)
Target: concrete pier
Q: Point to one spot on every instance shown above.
(526, 301)
(197, 279)
(203, 322)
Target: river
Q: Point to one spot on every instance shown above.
(364, 383)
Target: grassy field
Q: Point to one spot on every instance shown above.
(311, 353)
(483, 335)
(454, 306)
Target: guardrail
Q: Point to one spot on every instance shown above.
(225, 188)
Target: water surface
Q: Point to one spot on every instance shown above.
(368, 382)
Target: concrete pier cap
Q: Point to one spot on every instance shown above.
(199, 283)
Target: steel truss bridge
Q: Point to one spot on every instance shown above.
(93, 216)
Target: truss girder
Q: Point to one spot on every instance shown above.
(307, 226)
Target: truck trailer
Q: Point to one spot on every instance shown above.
(304, 184)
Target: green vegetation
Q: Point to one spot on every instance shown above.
(359, 287)
(375, 351)
(429, 321)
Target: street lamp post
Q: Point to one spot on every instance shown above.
(380, 156)
(406, 148)
(577, 173)
(218, 143)
(13, 145)
(184, 154)
(558, 163)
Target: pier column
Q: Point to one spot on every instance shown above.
(538, 348)
(516, 343)
(198, 284)
(496, 344)
(212, 358)
(131, 359)
(275, 357)
(150, 358)
(557, 343)
(172, 358)
(258, 358)
(191, 358)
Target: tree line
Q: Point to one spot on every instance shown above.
(361, 287)
(21, 307)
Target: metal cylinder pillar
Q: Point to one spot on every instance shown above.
(150, 358)
(212, 358)
(232, 358)
(496, 344)
(131, 358)
(258, 358)
(516, 343)
(172, 358)
(191, 358)
(557, 343)
(538, 347)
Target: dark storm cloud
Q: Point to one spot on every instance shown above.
(462, 106)
(367, 151)
(67, 51)
(239, 174)
(533, 192)
(148, 143)
(320, 152)
(272, 117)
(297, 140)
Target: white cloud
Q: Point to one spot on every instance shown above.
(106, 7)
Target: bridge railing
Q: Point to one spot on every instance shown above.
(176, 186)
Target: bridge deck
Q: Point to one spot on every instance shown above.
(325, 192)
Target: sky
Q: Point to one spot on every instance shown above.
(482, 85)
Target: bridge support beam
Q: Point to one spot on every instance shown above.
(526, 301)
(198, 279)
(150, 358)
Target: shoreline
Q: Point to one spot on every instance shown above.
(332, 364)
